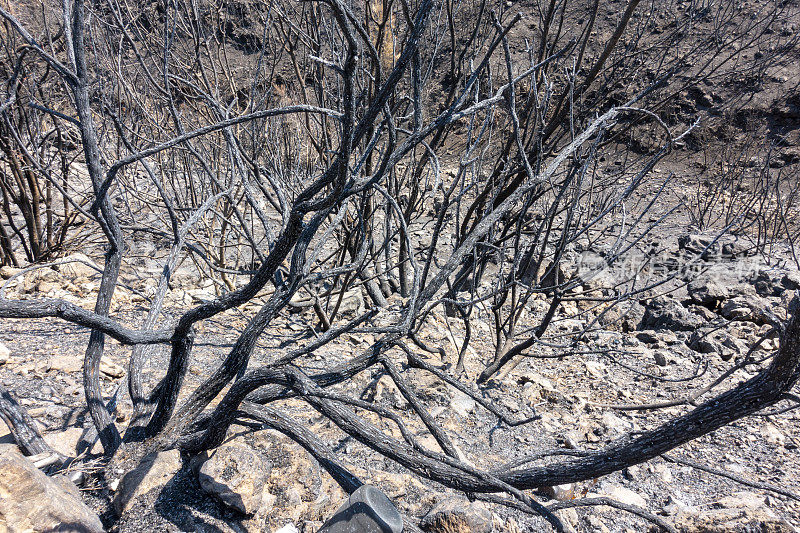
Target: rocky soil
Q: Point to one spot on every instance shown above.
(744, 477)
(655, 351)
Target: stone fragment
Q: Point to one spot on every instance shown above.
(712, 247)
(69, 364)
(32, 501)
(716, 341)
(666, 313)
(155, 471)
(596, 369)
(625, 495)
(769, 282)
(111, 369)
(745, 308)
(742, 500)
(560, 492)
(773, 435)
(7, 271)
(707, 292)
(458, 515)
(79, 265)
(741, 511)
(791, 281)
(462, 404)
(236, 475)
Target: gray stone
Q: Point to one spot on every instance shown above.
(155, 471)
(366, 510)
(791, 281)
(31, 501)
(666, 313)
(702, 311)
(769, 282)
(462, 404)
(745, 308)
(648, 336)
(716, 341)
(235, 475)
(624, 317)
(457, 515)
(707, 292)
(711, 247)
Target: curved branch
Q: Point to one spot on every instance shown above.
(52, 307)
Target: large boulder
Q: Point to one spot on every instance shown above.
(666, 313)
(718, 341)
(78, 265)
(31, 501)
(711, 247)
(745, 308)
(296, 486)
(236, 475)
(153, 473)
(708, 292)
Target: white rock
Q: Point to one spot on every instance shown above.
(462, 404)
(32, 501)
(538, 379)
(625, 495)
(614, 423)
(4, 353)
(674, 506)
(111, 369)
(664, 472)
(596, 369)
(560, 492)
(742, 500)
(773, 435)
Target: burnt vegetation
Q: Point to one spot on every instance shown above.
(377, 169)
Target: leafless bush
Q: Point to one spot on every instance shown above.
(747, 191)
(379, 150)
(41, 201)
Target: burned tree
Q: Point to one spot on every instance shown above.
(373, 152)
